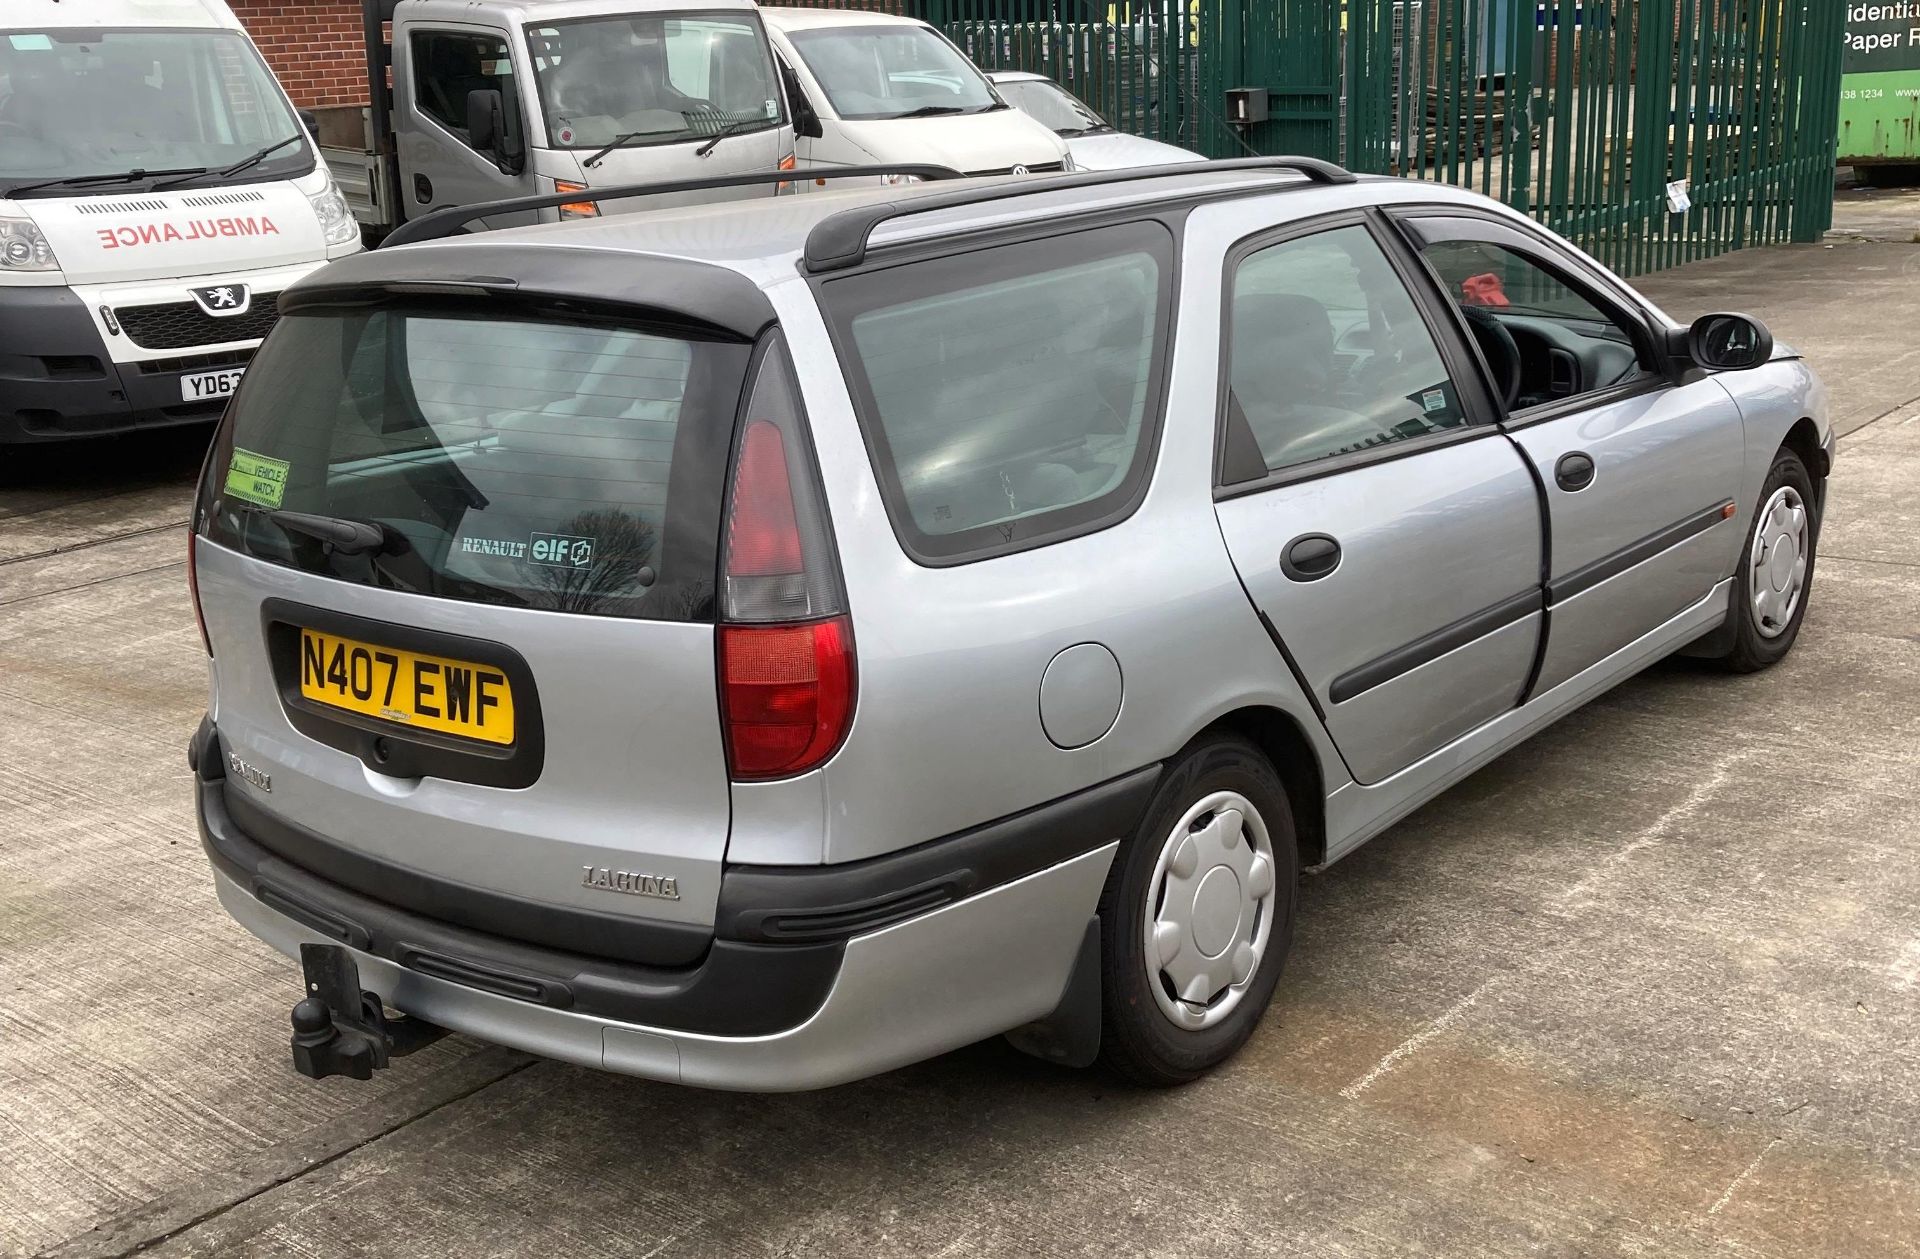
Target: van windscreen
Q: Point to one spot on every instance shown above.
(568, 466)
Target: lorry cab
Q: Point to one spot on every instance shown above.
(493, 100)
(871, 88)
(157, 192)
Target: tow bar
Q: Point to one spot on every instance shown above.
(340, 1028)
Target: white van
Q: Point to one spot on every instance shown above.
(157, 192)
(869, 88)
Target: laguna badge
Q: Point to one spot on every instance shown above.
(659, 886)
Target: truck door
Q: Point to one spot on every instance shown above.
(437, 71)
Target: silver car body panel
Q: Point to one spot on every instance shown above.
(610, 795)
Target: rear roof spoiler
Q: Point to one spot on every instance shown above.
(451, 221)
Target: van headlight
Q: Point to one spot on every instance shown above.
(337, 225)
(895, 179)
(24, 248)
(1066, 163)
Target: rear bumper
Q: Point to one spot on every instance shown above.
(58, 379)
(779, 1010)
(901, 994)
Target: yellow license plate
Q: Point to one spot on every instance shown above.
(405, 687)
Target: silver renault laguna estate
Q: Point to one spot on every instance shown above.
(761, 645)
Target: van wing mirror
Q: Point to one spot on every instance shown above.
(806, 121)
(487, 129)
(1724, 342)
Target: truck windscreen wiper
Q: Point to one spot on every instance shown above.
(732, 128)
(252, 159)
(619, 140)
(81, 181)
(930, 111)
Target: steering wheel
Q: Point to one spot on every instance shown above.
(1503, 353)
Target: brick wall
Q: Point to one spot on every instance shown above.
(313, 46)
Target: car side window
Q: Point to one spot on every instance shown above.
(449, 64)
(1543, 339)
(1327, 353)
(1010, 395)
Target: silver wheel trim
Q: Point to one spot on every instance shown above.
(1777, 562)
(1209, 910)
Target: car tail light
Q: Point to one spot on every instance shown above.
(193, 586)
(788, 691)
(575, 209)
(785, 642)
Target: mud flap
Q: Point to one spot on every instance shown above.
(1070, 1035)
(341, 1029)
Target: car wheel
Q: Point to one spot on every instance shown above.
(1197, 916)
(1775, 573)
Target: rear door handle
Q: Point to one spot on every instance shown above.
(1310, 557)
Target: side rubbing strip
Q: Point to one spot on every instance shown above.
(1384, 669)
(1588, 576)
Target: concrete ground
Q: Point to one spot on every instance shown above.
(1649, 985)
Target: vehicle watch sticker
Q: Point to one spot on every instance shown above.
(256, 478)
(1434, 400)
(773, 108)
(562, 550)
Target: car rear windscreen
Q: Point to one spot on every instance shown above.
(566, 466)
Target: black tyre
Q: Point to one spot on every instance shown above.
(1197, 916)
(1775, 573)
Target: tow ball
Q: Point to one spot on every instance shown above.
(341, 1029)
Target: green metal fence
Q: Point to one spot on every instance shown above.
(1584, 112)
(1579, 112)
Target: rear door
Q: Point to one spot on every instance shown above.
(458, 577)
(1391, 540)
(1640, 469)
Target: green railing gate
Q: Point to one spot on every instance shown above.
(1582, 113)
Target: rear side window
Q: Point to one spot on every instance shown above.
(572, 467)
(1010, 396)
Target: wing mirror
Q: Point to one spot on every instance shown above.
(487, 129)
(806, 119)
(1723, 343)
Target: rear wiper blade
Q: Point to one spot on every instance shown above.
(349, 537)
(251, 159)
(120, 177)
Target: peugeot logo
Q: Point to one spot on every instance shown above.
(221, 300)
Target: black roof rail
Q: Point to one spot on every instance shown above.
(840, 241)
(448, 222)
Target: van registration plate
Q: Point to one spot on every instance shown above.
(407, 688)
(206, 386)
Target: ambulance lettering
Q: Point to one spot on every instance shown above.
(193, 229)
